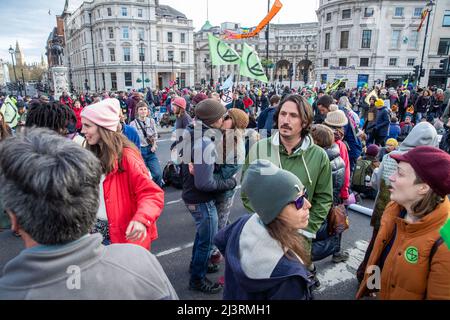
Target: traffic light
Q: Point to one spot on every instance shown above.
(416, 71)
(178, 81)
(422, 73)
(443, 64)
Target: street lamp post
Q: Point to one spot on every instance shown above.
(93, 54)
(24, 85)
(11, 52)
(267, 38)
(85, 75)
(141, 57)
(211, 80)
(429, 6)
(305, 75)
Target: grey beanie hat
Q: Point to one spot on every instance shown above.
(270, 189)
(209, 111)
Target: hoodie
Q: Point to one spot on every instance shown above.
(310, 164)
(118, 271)
(256, 267)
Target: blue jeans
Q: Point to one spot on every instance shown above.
(205, 217)
(152, 163)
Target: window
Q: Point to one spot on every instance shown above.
(124, 12)
(344, 39)
(112, 54)
(113, 81)
(417, 12)
(102, 58)
(342, 62)
(325, 63)
(398, 12)
(98, 13)
(329, 16)
(366, 39)
(346, 14)
(109, 13)
(100, 34)
(157, 36)
(413, 40)
(140, 12)
(364, 62)
(444, 45)
(183, 38)
(392, 62)
(128, 79)
(141, 54)
(411, 62)
(111, 32)
(126, 54)
(170, 55)
(169, 36)
(446, 20)
(395, 39)
(327, 41)
(158, 56)
(141, 34)
(183, 56)
(125, 34)
(368, 12)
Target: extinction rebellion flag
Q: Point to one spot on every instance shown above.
(251, 65)
(222, 53)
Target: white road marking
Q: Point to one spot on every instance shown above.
(343, 271)
(174, 250)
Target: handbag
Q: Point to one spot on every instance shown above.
(338, 219)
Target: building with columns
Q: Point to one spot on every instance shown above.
(375, 41)
(289, 44)
(107, 41)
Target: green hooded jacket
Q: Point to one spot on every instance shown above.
(310, 164)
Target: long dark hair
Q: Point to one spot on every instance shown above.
(289, 240)
(5, 130)
(110, 149)
(304, 110)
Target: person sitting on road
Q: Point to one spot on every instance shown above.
(266, 258)
(53, 206)
(408, 248)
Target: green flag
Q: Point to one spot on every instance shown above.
(251, 65)
(222, 53)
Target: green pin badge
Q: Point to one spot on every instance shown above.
(445, 233)
(412, 255)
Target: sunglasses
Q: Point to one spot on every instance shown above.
(300, 201)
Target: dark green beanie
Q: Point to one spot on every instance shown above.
(209, 111)
(270, 189)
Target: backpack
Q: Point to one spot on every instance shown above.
(363, 168)
(172, 175)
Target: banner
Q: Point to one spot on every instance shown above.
(373, 93)
(424, 15)
(9, 111)
(228, 83)
(251, 65)
(272, 13)
(221, 53)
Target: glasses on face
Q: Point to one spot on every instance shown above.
(300, 201)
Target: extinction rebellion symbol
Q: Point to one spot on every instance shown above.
(227, 56)
(412, 255)
(255, 68)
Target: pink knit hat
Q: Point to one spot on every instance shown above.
(180, 102)
(104, 113)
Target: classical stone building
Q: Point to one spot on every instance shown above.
(107, 41)
(289, 44)
(374, 41)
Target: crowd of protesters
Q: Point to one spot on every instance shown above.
(317, 150)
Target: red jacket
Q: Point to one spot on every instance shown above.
(132, 195)
(344, 155)
(68, 102)
(77, 112)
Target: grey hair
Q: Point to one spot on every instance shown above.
(50, 184)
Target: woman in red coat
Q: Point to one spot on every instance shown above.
(130, 202)
(77, 108)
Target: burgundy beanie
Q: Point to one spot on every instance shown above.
(180, 102)
(431, 164)
(104, 114)
(199, 97)
(372, 150)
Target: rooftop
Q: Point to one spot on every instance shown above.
(167, 11)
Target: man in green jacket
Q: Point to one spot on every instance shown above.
(293, 149)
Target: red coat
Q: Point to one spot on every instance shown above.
(77, 112)
(344, 155)
(132, 195)
(69, 101)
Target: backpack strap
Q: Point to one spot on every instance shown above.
(434, 248)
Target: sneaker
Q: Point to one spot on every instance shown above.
(205, 285)
(340, 257)
(212, 268)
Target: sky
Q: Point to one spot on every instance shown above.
(29, 21)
